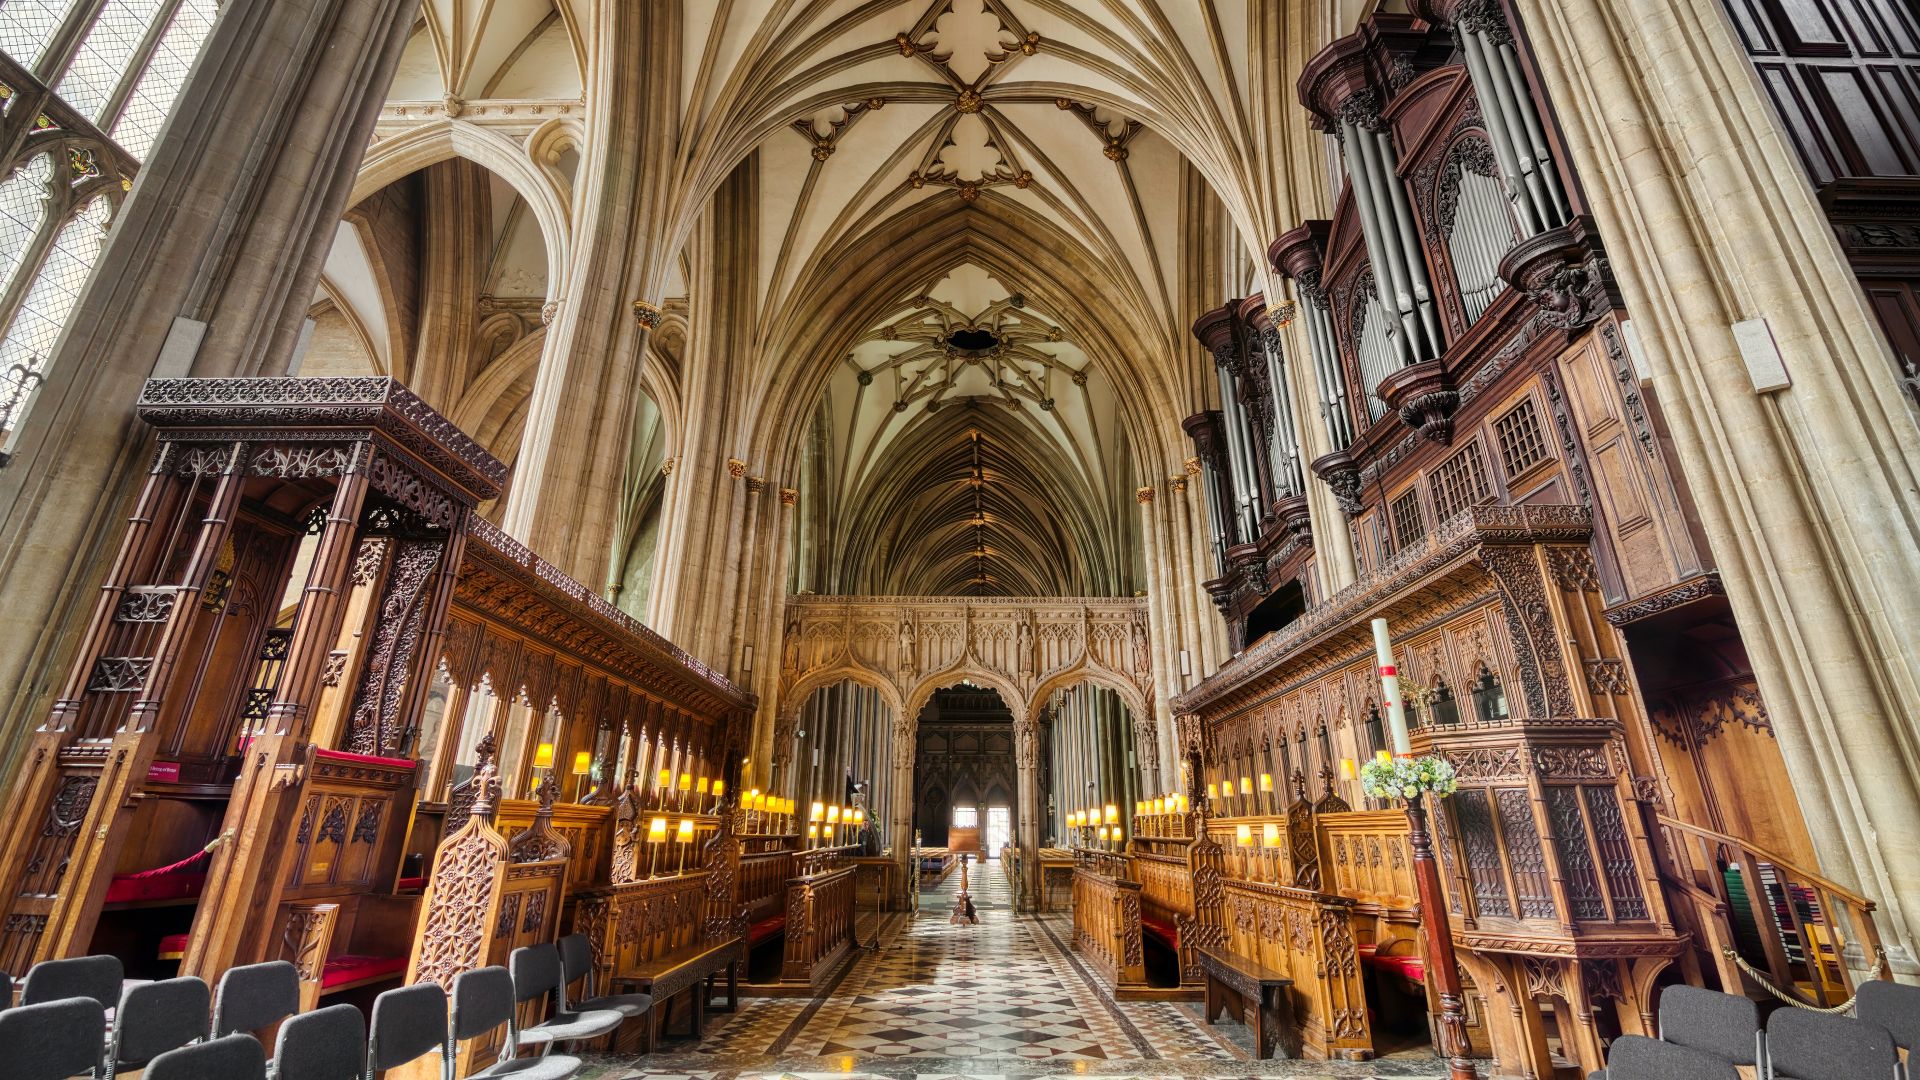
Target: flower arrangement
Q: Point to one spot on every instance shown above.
(1403, 778)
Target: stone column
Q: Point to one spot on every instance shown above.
(220, 245)
(573, 458)
(1805, 494)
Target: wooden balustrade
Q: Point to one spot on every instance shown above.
(1106, 927)
(1803, 932)
(1367, 859)
(1308, 937)
(640, 922)
(819, 929)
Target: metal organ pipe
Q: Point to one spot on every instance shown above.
(1287, 480)
(1327, 375)
(1514, 127)
(1241, 466)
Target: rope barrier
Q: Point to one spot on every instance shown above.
(1877, 971)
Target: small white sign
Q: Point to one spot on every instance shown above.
(1765, 366)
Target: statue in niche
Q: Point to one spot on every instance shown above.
(1142, 656)
(1029, 749)
(791, 660)
(1023, 646)
(906, 646)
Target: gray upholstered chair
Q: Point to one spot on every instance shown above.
(1807, 1045)
(325, 1044)
(1635, 1057)
(536, 976)
(576, 966)
(254, 997)
(1896, 1007)
(154, 1018)
(408, 1023)
(484, 999)
(53, 1040)
(96, 977)
(1724, 1025)
(235, 1057)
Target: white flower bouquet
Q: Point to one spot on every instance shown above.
(1403, 778)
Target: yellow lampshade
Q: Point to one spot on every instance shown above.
(686, 829)
(719, 788)
(657, 829)
(1266, 783)
(833, 815)
(1159, 806)
(753, 793)
(1118, 835)
(1113, 813)
(819, 812)
(701, 786)
(1140, 808)
(1271, 835)
(686, 781)
(1103, 834)
(1073, 819)
(1243, 835)
(666, 778)
(1383, 756)
(1211, 793)
(813, 832)
(859, 817)
(1246, 785)
(1346, 768)
(1179, 804)
(543, 756)
(582, 763)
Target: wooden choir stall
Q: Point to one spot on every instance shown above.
(325, 713)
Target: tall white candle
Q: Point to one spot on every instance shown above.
(1390, 689)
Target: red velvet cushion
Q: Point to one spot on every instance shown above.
(411, 884)
(1410, 966)
(1161, 930)
(126, 888)
(765, 929)
(369, 759)
(172, 947)
(348, 968)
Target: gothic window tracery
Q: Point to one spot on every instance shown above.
(107, 76)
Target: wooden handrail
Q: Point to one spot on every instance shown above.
(1792, 868)
(1820, 931)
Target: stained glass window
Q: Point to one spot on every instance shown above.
(152, 97)
(23, 205)
(26, 26)
(29, 341)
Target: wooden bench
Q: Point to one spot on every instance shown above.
(678, 973)
(1256, 990)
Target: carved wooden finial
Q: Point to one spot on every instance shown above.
(1299, 785)
(486, 787)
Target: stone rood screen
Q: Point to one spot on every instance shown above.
(1025, 648)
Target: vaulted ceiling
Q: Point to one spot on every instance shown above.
(1076, 179)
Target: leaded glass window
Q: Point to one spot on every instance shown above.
(117, 67)
(26, 27)
(36, 326)
(105, 54)
(23, 206)
(152, 97)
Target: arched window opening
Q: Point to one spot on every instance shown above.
(37, 323)
(1489, 700)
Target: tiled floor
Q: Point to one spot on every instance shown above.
(1004, 999)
